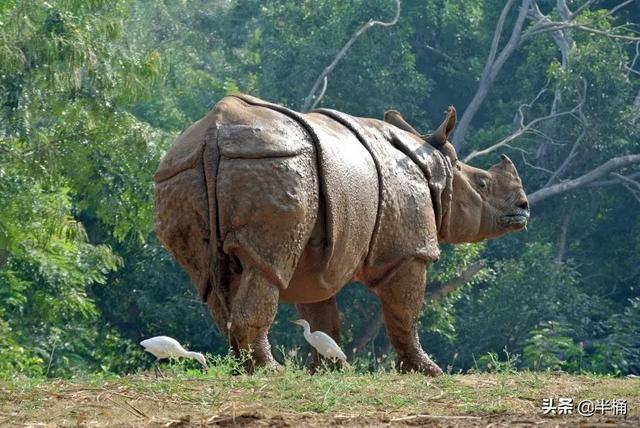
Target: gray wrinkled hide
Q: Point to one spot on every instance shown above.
(312, 200)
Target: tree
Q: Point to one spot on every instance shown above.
(71, 160)
(94, 92)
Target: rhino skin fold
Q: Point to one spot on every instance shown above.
(259, 203)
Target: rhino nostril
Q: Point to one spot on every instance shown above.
(524, 205)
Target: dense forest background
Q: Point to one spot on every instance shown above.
(93, 92)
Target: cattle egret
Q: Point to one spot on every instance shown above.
(322, 342)
(166, 347)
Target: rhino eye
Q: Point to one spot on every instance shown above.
(482, 183)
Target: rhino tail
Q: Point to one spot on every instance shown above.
(216, 285)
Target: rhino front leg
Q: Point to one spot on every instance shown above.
(323, 316)
(253, 308)
(401, 294)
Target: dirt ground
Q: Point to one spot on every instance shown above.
(313, 401)
(78, 417)
(382, 420)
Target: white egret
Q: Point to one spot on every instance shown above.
(166, 347)
(322, 342)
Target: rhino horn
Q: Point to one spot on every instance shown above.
(506, 165)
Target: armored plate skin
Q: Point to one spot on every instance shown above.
(314, 200)
(259, 203)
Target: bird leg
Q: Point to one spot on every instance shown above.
(401, 294)
(322, 316)
(158, 371)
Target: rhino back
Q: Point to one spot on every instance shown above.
(247, 131)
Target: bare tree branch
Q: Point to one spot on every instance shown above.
(324, 88)
(605, 33)
(492, 66)
(498, 33)
(562, 239)
(549, 26)
(542, 24)
(613, 181)
(562, 40)
(530, 165)
(618, 7)
(436, 290)
(627, 180)
(579, 10)
(565, 164)
(442, 54)
(574, 150)
(631, 185)
(366, 26)
(603, 170)
(522, 127)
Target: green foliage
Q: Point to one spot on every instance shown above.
(93, 92)
(492, 363)
(437, 319)
(522, 292)
(291, 42)
(618, 349)
(614, 348)
(74, 179)
(550, 346)
(15, 357)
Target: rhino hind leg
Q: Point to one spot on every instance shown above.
(254, 304)
(401, 294)
(322, 316)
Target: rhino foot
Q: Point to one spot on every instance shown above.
(254, 303)
(270, 365)
(420, 364)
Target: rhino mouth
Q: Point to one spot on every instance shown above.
(516, 219)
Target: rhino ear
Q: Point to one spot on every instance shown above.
(439, 138)
(394, 117)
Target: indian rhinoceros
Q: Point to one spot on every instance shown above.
(260, 204)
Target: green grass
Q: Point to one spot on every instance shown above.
(294, 394)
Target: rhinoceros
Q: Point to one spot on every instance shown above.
(260, 204)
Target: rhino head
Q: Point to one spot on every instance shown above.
(484, 204)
